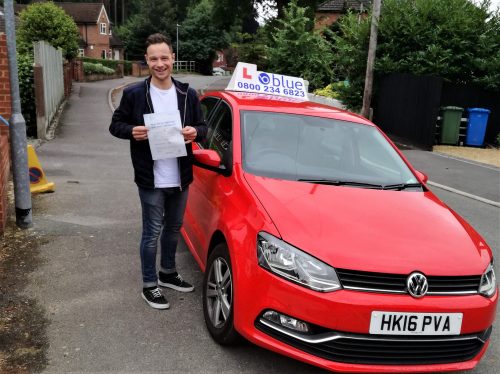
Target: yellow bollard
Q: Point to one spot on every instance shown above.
(38, 182)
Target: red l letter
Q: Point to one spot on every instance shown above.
(245, 74)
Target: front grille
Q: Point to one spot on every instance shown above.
(396, 283)
(381, 349)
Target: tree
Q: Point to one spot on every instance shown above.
(449, 38)
(453, 39)
(199, 36)
(46, 21)
(154, 16)
(350, 47)
(298, 50)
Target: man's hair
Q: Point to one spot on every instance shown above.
(158, 39)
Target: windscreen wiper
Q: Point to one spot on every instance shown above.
(401, 186)
(343, 183)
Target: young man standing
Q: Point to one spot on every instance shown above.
(163, 184)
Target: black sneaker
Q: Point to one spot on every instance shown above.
(154, 298)
(174, 281)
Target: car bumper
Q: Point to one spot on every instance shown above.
(344, 317)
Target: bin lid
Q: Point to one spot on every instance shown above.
(478, 110)
(455, 108)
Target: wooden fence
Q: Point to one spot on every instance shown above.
(49, 85)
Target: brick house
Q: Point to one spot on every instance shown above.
(96, 39)
(330, 11)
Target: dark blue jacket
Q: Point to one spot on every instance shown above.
(135, 102)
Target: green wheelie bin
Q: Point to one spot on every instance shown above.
(450, 125)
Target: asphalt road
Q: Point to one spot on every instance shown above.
(89, 280)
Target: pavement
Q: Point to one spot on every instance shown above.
(88, 279)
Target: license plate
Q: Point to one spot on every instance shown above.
(400, 323)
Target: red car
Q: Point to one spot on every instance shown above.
(320, 241)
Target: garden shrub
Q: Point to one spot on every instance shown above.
(97, 68)
(27, 91)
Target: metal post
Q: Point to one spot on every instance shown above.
(22, 194)
(177, 44)
(367, 94)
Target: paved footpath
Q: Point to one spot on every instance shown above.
(89, 279)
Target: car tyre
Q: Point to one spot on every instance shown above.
(218, 297)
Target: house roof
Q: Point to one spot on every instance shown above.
(80, 12)
(339, 6)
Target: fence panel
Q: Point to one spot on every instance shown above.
(50, 61)
(407, 107)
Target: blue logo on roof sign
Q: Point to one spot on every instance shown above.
(264, 78)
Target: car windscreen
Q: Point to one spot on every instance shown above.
(300, 147)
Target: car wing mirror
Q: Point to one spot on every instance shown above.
(422, 176)
(210, 160)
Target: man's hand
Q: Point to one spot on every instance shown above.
(189, 134)
(140, 133)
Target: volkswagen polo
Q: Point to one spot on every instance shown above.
(318, 240)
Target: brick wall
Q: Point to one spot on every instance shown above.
(5, 112)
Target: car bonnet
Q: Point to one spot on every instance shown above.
(372, 230)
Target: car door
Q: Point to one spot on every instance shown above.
(207, 191)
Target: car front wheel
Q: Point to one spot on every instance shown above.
(218, 297)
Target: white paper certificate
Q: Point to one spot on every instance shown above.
(165, 135)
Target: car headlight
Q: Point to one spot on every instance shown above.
(488, 284)
(291, 263)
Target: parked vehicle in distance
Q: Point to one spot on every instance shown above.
(320, 241)
(218, 71)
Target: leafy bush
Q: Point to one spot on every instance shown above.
(27, 91)
(99, 68)
(332, 90)
(298, 50)
(112, 64)
(46, 21)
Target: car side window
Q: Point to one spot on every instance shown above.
(208, 105)
(222, 135)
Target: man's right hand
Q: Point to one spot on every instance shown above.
(140, 133)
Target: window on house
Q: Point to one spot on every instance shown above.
(220, 57)
(103, 29)
(103, 54)
(81, 52)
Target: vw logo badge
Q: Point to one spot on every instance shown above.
(264, 78)
(417, 284)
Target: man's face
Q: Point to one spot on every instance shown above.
(160, 60)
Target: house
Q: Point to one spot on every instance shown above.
(96, 38)
(329, 12)
(220, 60)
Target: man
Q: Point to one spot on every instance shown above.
(163, 184)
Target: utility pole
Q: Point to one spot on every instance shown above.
(177, 44)
(18, 143)
(372, 48)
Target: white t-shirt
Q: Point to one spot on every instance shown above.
(166, 171)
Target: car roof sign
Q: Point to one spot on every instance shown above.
(247, 78)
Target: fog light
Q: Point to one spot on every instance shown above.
(287, 321)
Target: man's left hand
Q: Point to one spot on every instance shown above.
(189, 134)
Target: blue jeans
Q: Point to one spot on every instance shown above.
(162, 213)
